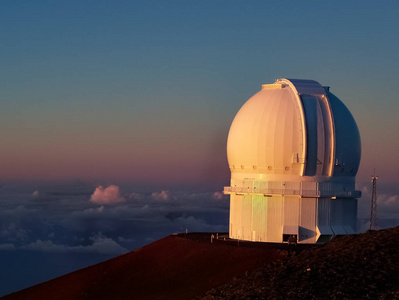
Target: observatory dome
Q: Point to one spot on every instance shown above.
(293, 151)
(294, 128)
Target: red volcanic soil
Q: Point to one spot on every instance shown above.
(175, 267)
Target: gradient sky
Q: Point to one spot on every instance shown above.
(146, 90)
(114, 115)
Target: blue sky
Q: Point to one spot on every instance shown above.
(141, 95)
(85, 81)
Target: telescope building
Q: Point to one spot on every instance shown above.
(293, 151)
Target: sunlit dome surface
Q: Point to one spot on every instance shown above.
(294, 127)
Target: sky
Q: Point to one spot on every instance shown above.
(114, 115)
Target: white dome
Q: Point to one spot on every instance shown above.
(294, 128)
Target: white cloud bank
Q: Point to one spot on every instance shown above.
(108, 195)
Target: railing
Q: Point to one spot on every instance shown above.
(291, 192)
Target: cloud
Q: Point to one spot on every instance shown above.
(100, 244)
(388, 200)
(136, 196)
(46, 246)
(35, 194)
(13, 232)
(108, 195)
(7, 246)
(197, 224)
(125, 240)
(105, 245)
(218, 195)
(163, 195)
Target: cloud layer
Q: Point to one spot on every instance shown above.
(74, 219)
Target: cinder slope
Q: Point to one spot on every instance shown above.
(175, 267)
(363, 266)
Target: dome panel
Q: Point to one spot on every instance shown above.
(348, 144)
(266, 133)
